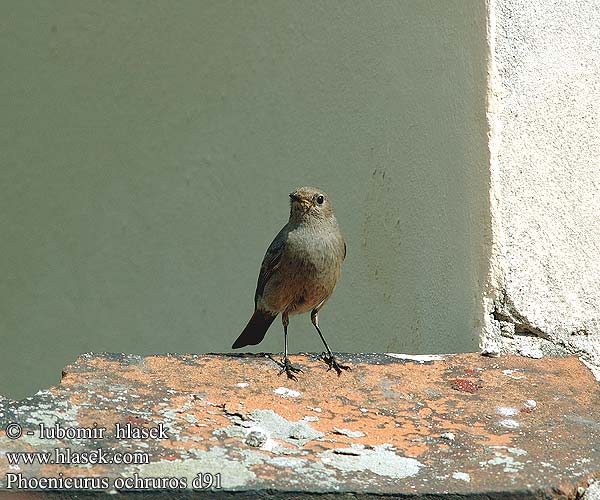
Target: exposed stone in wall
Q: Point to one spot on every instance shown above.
(543, 104)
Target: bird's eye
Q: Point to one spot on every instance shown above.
(320, 199)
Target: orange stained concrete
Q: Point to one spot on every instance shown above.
(465, 422)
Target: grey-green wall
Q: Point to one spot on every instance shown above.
(147, 150)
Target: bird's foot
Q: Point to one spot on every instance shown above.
(332, 363)
(287, 367)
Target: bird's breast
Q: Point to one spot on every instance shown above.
(313, 254)
(307, 273)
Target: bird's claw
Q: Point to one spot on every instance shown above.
(289, 369)
(332, 363)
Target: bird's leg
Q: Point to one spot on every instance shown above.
(286, 365)
(328, 356)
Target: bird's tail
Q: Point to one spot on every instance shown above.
(255, 329)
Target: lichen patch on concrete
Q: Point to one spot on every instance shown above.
(380, 460)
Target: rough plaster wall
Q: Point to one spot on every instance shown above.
(593, 492)
(545, 153)
(148, 147)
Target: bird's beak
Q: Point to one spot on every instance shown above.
(306, 204)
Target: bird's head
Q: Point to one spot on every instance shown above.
(310, 203)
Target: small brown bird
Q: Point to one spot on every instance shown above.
(298, 273)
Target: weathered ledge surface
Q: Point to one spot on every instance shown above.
(429, 427)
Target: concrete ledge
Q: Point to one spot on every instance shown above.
(428, 427)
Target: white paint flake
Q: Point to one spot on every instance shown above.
(421, 358)
(285, 392)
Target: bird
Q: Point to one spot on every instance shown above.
(298, 273)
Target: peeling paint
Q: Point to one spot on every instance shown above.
(509, 423)
(506, 411)
(510, 373)
(285, 392)
(461, 476)
(276, 426)
(510, 465)
(234, 473)
(421, 358)
(380, 460)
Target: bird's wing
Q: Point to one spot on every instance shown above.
(270, 263)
